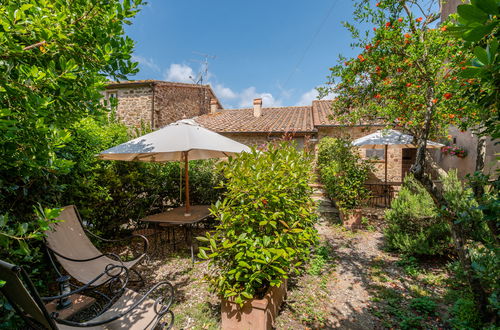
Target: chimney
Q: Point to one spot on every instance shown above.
(213, 106)
(257, 108)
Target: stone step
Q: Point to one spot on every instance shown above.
(319, 193)
(322, 199)
(327, 209)
(316, 185)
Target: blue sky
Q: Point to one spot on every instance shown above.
(278, 50)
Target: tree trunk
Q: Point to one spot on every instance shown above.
(457, 230)
(478, 187)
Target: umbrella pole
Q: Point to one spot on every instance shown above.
(386, 190)
(186, 173)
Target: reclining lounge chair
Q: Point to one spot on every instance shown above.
(130, 311)
(68, 242)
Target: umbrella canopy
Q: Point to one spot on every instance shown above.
(385, 138)
(170, 142)
(183, 140)
(391, 137)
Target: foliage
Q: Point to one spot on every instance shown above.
(266, 222)
(320, 260)
(464, 314)
(15, 240)
(405, 74)
(478, 24)
(56, 58)
(424, 305)
(343, 172)
(413, 222)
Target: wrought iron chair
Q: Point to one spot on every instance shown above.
(68, 242)
(129, 311)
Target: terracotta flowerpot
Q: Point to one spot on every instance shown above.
(351, 219)
(256, 314)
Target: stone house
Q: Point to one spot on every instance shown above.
(304, 124)
(156, 103)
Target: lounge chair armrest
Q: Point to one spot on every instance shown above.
(163, 311)
(146, 242)
(109, 255)
(109, 271)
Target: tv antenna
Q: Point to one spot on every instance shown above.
(203, 73)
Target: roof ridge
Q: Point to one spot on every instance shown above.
(286, 107)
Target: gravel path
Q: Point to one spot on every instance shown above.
(350, 297)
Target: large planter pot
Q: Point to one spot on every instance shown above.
(255, 314)
(351, 218)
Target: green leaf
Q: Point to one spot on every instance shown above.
(247, 295)
(488, 6)
(471, 72)
(481, 55)
(24, 247)
(478, 33)
(472, 13)
(244, 264)
(202, 254)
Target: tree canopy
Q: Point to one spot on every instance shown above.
(55, 59)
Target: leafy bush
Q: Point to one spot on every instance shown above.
(424, 305)
(413, 223)
(266, 222)
(343, 172)
(464, 314)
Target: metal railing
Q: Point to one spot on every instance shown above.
(382, 194)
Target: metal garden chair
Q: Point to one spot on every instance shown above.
(129, 310)
(68, 242)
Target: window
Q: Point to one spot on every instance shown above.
(111, 95)
(375, 153)
(111, 99)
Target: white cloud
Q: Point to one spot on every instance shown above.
(247, 96)
(308, 97)
(224, 92)
(146, 62)
(311, 95)
(180, 73)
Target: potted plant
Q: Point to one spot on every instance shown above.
(344, 174)
(265, 231)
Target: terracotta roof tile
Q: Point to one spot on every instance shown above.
(272, 120)
(322, 110)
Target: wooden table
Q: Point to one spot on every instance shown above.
(176, 217)
(79, 303)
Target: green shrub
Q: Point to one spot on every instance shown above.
(266, 222)
(413, 223)
(464, 314)
(424, 305)
(343, 172)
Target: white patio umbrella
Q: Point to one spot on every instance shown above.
(385, 138)
(183, 140)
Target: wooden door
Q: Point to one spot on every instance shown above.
(409, 156)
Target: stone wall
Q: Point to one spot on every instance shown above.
(394, 154)
(174, 103)
(256, 139)
(134, 105)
